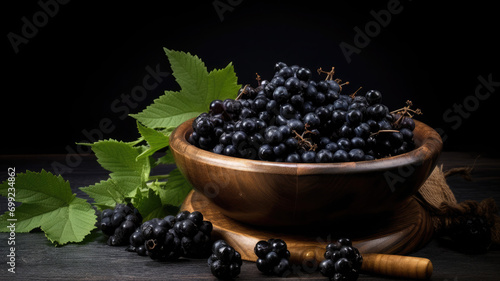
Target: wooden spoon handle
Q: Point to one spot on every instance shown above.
(397, 266)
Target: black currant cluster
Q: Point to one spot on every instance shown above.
(273, 257)
(342, 261)
(292, 118)
(119, 223)
(186, 234)
(225, 262)
(472, 234)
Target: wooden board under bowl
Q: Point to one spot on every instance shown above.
(400, 232)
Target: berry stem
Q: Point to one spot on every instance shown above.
(243, 92)
(329, 74)
(343, 84)
(151, 244)
(354, 94)
(305, 143)
(383, 131)
(158, 177)
(258, 79)
(406, 112)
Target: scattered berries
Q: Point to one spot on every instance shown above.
(342, 261)
(119, 223)
(471, 235)
(225, 262)
(186, 234)
(273, 257)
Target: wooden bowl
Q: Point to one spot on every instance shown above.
(292, 194)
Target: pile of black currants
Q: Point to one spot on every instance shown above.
(471, 234)
(185, 234)
(292, 118)
(225, 262)
(119, 223)
(273, 257)
(342, 261)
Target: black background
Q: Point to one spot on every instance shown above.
(64, 80)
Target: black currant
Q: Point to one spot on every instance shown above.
(342, 261)
(225, 262)
(273, 257)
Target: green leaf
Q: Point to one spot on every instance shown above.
(189, 71)
(175, 189)
(48, 203)
(107, 194)
(151, 206)
(128, 173)
(168, 158)
(120, 159)
(163, 198)
(156, 140)
(222, 84)
(169, 110)
(198, 89)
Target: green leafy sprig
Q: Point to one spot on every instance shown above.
(47, 201)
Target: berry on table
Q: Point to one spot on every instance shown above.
(185, 234)
(471, 234)
(225, 262)
(342, 261)
(119, 223)
(273, 257)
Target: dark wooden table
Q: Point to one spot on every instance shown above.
(38, 259)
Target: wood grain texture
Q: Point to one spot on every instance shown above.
(288, 194)
(397, 266)
(398, 232)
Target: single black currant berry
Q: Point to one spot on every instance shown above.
(373, 97)
(304, 74)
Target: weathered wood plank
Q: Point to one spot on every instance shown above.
(37, 259)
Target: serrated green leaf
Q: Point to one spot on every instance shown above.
(120, 158)
(171, 109)
(222, 84)
(189, 71)
(127, 173)
(155, 139)
(151, 206)
(198, 89)
(107, 193)
(48, 203)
